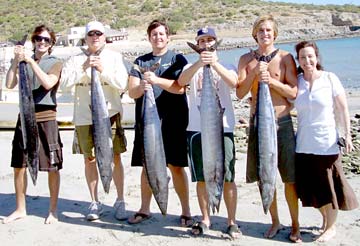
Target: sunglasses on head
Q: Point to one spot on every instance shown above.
(38, 38)
(92, 33)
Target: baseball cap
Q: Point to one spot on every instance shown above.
(94, 26)
(205, 31)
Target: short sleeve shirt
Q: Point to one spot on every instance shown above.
(316, 133)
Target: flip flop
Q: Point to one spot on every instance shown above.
(142, 217)
(200, 227)
(186, 221)
(232, 230)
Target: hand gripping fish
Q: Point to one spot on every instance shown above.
(101, 128)
(29, 127)
(212, 135)
(266, 130)
(155, 161)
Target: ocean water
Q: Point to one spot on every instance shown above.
(341, 56)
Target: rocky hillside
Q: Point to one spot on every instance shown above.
(19, 17)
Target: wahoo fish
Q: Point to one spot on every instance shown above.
(212, 135)
(267, 150)
(29, 127)
(101, 128)
(154, 153)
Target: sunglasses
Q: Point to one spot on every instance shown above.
(41, 38)
(92, 33)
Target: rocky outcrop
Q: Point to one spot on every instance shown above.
(337, 21)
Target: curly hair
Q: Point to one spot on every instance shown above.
(40, 29)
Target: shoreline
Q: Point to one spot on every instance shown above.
(134, 48)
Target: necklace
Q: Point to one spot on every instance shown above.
(267, 58)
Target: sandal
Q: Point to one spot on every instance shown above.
(186, 221)
(138, 218)
(233, 231)
(199, 228)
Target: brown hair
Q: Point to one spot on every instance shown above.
(40, 29)
(262, 19)
(155, 24)
(304, 44)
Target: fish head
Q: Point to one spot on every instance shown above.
(198, 49)
(20, 42)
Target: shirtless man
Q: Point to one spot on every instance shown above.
(280, 75)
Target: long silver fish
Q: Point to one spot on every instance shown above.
(212, 135)
(267, 150)
(29, 127)
(155, 160)
(101, 128)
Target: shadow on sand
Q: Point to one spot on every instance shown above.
(73, 212)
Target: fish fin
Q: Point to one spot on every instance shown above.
(155, 66)
(23, 40)
(195, 47)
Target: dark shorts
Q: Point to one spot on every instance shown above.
(173, 113)
(174, 145)
(50, 147)
(286, 151)
(195, 156)
(320, 180)
(84, 142)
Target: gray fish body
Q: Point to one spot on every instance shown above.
(212, 134)
(29, 127)
(212, 140)
(101, 131)
(155, 160)
(267, 155)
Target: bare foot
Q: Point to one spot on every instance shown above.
(295, 235)
(52, 217)
(273, 230)
(14, 216)
(327, 235)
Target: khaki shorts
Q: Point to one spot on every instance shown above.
(84, 143)
(195, 156)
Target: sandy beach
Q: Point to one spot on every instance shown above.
(73, 229)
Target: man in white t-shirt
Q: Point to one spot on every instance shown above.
(224, 80)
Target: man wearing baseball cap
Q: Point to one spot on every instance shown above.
(113, 78)
(224, 80)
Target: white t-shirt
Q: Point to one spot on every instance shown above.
(316, 133)
(194, 98)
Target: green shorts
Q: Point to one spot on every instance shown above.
(286, 151)
(195, 156)
(83, 138)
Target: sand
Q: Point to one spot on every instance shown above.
(73, 229)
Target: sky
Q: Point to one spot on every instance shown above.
(320, 2)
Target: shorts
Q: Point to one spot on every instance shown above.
(320, 180)
(84, 143)
(195, 156)
(174, 139)
(286, 151)
(50, 147)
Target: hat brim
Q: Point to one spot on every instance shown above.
(205, 35)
